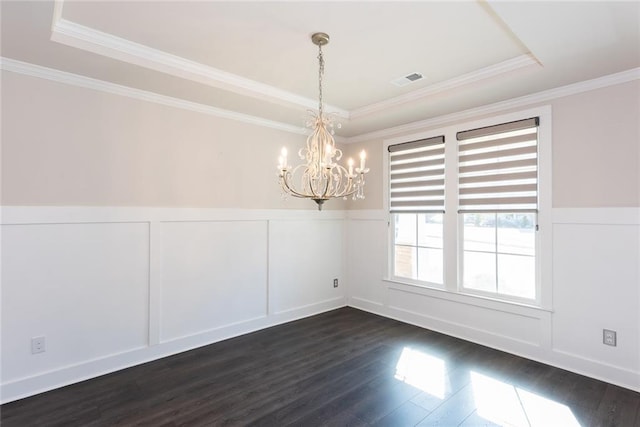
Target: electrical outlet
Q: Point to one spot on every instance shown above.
(609, 337)
(37, 345)
(335, 283)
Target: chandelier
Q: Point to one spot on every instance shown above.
(320, 178)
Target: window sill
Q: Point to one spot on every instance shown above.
(469, 299)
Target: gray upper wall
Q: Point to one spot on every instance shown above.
(69, 146)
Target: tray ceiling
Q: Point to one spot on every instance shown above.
(256, 58)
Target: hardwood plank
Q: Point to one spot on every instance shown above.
(286, 404)
(618, 407)
(383, 398)
(452, 411)
(408, 414)
(344, 407)
(454, 380)
(312, 399)
(475, 420)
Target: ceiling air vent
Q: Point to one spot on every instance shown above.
(409, 78)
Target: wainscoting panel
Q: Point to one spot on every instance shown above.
(213, 274)
(84, 287)
(304, 259)
(367, 248)
(596, 287)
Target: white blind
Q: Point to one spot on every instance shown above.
(417, 176)
(498, 168)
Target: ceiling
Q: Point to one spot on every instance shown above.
(255, 60)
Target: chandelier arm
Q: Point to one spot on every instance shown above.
(314, 192)
(310, 183)
(297, 194)
(290, 189)
(336, 179)
(284, 184)
(348, 186)
(327, 183)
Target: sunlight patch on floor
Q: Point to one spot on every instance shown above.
(507, 405)
(422, 371)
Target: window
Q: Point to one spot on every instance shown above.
(487, 240)
(498, 253)
(417, 206)
(418, 247)
(498, 203)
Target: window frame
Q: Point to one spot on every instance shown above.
(452, 220)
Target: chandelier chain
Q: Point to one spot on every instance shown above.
(320, 76)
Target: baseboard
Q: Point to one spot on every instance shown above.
(366, 305)
(594, 369)
(311, 309)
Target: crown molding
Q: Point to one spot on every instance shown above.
(24, 68)
(82, 37)
(544, 96)
(491, 71)
(104, 44)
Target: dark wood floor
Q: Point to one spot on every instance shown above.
(345, 367)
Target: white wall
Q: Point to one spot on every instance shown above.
(114, 287)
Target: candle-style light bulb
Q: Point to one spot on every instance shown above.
(350, 162)
(363, 156)
(283, 158)
(327, 153)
